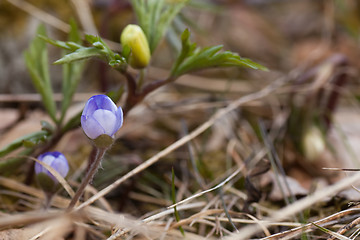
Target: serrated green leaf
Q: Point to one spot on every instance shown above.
(188, 49)
(36, 59)
(80, 54)
(73, 46)
(98, 43)
(192, 58)
(57, 43)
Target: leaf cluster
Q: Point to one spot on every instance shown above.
(36, 58)
(192, 58)
(78, 52)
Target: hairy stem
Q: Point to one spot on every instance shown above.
(88, 178)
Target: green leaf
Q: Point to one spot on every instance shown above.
(91, 38)
(334, 234)
(155, 16)
(71, 72)
(46, 126)
(98, 43)
(126, 52)
(188, 49)
(74, 34)
(36, 59)
(70, 46)
(33, 137)
(192, 58)
(80, 54)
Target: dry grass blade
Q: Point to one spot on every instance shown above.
(41, 15)
(346, 228)
(83, 11)
(171, 211)
(298, 206)
(259, 155)
(333, 234)
(15, 185)
(196, 217)
(57, 175)
(219, 114)
(27, 218)
(208, 190)
(255, 220)
(51, 20)
(54, 228)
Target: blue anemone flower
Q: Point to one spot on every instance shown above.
(101, 116)
(56, 160)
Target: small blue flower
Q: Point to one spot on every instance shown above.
(101, 116)
(56, 160)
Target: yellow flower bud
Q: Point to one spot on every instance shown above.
(313, 143)
(134, 37)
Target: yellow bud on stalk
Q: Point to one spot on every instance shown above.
(313, 143)
(134, 37)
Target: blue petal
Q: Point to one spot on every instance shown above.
(107, 120)
(91, 127)
(54, 159)
(107, 103)
(98, 102)
(90, 107)
(61, 165)
(48, 159)
(119, 119)
(104, 102)
(101, 116)
(43, 157)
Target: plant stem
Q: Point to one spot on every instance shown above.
(89, 176)
(141, 78)
(48, 199)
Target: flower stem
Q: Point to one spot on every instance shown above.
(48, 198)
(89, 176)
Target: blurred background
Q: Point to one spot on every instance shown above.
(311, 122)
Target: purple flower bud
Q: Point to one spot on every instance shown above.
(56, 160)
(101, 116)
